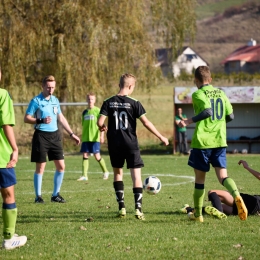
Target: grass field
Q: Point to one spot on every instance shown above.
(60, 231)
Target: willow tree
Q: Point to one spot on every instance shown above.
(86, 44)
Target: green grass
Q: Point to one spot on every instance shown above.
(211, 9)
(59, 231)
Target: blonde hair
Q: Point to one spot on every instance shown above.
(91, 94)
(125, 79)
(202, 73)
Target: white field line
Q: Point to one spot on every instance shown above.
(189, 179)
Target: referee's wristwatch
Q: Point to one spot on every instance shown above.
(71, 134)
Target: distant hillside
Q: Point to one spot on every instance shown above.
(221, 34)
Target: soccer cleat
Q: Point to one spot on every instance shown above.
(105, 176)
(122, 213)
(15, 241)
(82, 178)
(191, 216)
(39, 199)
(57, 198)
(184, 209)
(214, 212)
(241, 208)
(139, 214)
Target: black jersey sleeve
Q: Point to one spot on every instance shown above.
(104, 108)
(139, 110)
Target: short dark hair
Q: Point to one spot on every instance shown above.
(48, 78)
(202, 73)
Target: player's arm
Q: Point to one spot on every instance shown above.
(246, 166)
(201, 116)
(148, 125)
(67, 128)
(177, 121)
(102, 137)
(230, 117)
(101, 123)
(29, 119)
(9, 133)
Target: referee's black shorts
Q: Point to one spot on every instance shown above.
(132, 157)
(250, 202)
(44, 143)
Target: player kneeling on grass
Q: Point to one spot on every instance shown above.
(91, 138)
(8, 159)
(212, 111)
(122, 112)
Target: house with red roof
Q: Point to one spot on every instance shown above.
(244, 59)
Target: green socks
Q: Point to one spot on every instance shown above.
(103, 165)
(9, 220)
(231, 186)
(198, 197)
(85, 164)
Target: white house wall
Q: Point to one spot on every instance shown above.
(182, 64)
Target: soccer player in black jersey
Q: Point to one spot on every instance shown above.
(122, 112)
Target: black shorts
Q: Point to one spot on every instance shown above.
(251, 203)
(133, 159)
(44, 143)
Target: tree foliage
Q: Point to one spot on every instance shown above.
(86, 44)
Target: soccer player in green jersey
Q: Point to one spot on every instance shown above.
(8, 159)
(91, 138)
(212, 111)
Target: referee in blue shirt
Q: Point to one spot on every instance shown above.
(44, 112)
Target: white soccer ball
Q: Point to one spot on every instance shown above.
(152, 185)
(244, 151)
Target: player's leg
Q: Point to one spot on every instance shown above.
(117, 160)
(39, 157)
(251, 202)
(102, 165)
(198, 195)
(56, 154)
(217, 207)
(85, 161)
(218, 161)
(215, 200)
(57, 181)
(185, 143)
(230, 185)
(119, 191)
(85, 166)
(179, 137)
(9, 210)
(137, 191)
(135, 163)
(37, 180)
(199, 160)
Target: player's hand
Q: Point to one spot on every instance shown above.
(164, 140)
(13, 160)
(102, 128)
(244, 163)
(182, 123)
(76, 138)
(102, 139)
(47, 120)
